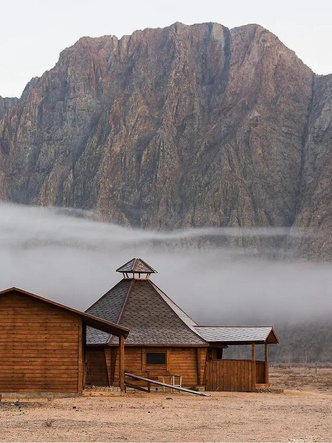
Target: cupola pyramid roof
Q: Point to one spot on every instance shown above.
(137, 265)
(154, 319)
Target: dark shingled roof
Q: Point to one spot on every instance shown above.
(149, 314)
(137, 265)
(237, 334)
(154, 319)
(109, 306)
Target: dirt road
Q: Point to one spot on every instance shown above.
(303, 414)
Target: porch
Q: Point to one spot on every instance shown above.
(237, 375)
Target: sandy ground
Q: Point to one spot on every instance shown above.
(302, 413)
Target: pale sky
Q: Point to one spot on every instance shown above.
(34, 32)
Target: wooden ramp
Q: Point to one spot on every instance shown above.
(155, 382)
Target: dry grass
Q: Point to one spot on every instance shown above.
(302, 413)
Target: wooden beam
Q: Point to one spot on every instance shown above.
(80, 356)
(85, 362)
(266, 364)
(253, 349)
(121, 363)
(198, 357)
(108, 361)
(155, 382)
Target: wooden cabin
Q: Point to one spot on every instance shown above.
(42, 344)
(166, 344)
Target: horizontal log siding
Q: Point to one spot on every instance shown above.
(180, 361)
(39, 346)
(183, 361)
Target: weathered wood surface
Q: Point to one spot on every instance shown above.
(97, 373)
(201, 354)
(40, 346)
(121, 362)
(260, 372)
(233, 375)
(179, 360)
(166, 385)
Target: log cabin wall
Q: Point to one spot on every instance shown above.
(40, 346)
(185, 361)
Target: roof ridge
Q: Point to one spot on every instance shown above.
(169, 298)
(188, 327)
(147, 264)
(103, 296)
(136, 262)
(123, 307)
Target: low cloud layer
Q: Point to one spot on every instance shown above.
(73, 260)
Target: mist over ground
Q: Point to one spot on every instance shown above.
(71, 259)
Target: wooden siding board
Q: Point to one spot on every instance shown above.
(38, 346)
(80, 356)
(181, 361)
(97, 374)
(230, 375)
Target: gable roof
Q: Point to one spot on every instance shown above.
(89, 319)
(238, 334)
(137, 265)
(153, 319)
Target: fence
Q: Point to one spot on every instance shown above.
(234, 375)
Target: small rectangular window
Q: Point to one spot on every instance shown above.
(156, 358)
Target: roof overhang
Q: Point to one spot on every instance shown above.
(88, 319)
(238, 335)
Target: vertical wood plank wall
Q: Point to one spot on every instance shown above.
(233, 375)
(260, 372)
(40, 346)
(97, 372)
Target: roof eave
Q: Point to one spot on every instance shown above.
(89, 320)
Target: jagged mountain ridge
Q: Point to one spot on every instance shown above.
(182, 126)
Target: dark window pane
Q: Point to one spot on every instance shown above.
(156, 358)
(219, 353)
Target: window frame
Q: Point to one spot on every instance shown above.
(156, 366)
(164, 363)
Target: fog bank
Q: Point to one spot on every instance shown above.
(72, 260)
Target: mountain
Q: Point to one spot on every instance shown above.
(7, 103)
(183, 126)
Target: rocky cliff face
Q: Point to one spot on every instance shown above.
(183, 126)
(7, 103)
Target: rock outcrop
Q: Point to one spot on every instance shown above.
(7, 103)
(182, 126)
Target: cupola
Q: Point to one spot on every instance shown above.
(136, 269)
